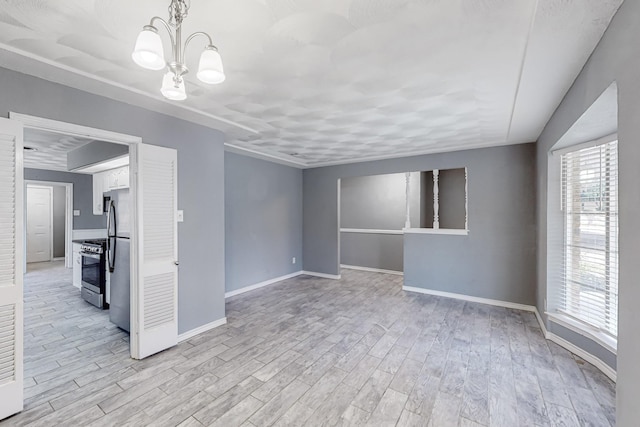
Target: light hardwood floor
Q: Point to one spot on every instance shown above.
(307, 352)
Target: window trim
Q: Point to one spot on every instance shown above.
(581, 328)
(566, 320)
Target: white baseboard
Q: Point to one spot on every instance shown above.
(545, 333)
(595, 361)
(498, 303)
(606, 369)
(58, 258)
(374, 270)
(204, 328)
(261, 284)
(323, 275)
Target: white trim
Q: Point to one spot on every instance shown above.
(282, 159)
(200, 329)
(497, 303)
(586, 331)
(595, 361)
(582, 145)
(323, 275)
(370, 231)
(261, 284)
(56, 126)
(373, 270)
(545, 333)
(450, 231)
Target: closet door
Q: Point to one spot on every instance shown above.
(11, 267)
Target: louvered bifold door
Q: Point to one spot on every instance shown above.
(156, 302)
(11, 261)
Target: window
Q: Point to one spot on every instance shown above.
(589, 285)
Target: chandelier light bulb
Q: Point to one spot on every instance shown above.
(210, 68)
(148, 52)
(173, 87)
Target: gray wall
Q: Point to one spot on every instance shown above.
(496, 260)
(615, 59)
(263, 220)
(59, 208)
(376, 202)
(382, 251)
(200, 178)
(82, 194)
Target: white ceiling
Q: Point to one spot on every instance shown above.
(315, 82)
(50, 149)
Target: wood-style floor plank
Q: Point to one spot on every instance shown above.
(306, 352)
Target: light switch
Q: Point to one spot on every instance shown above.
(180, 216)
(76, 212)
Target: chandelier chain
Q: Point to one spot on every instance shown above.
(178, 11)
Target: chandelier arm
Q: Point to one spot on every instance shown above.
(166, 25)
(191, 37)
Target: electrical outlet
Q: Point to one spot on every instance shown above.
(180, 216)
(293, 260)
(76, 212)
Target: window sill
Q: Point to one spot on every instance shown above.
(369, 231)
(586, 331)
(450, 231)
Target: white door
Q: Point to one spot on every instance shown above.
(154, 296)
(39, 223)
(11, 262)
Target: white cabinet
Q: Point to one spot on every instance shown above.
(113, 179)
(98, 189)
(77, 266)
(117, 178)
(123, 177)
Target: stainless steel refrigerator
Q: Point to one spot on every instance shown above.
(118, 256)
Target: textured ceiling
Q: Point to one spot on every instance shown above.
(320, 82)
(50, 149)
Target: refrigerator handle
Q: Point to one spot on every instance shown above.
(111, 248)
(111, 208)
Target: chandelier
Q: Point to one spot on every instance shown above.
(149, 53)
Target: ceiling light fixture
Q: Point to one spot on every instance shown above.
(149, 53)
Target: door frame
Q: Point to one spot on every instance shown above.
(39, 123)
(26, 216)
(68, 217)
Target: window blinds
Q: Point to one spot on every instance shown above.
(589, 284)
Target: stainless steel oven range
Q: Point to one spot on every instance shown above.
(93, 272)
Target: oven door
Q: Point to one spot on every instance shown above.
(93, 272)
